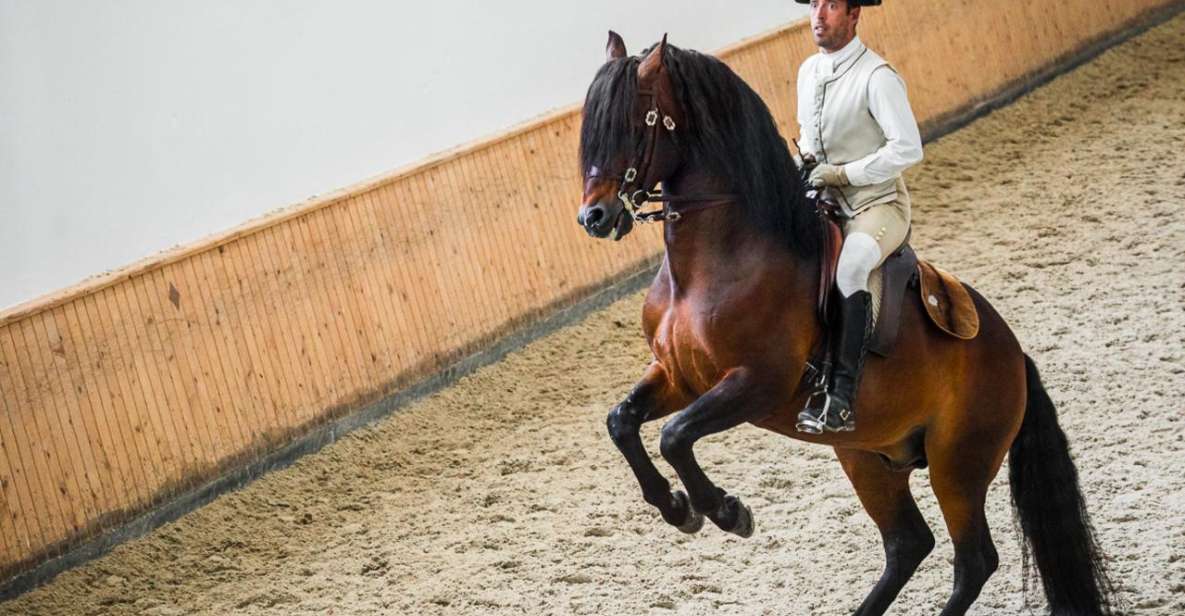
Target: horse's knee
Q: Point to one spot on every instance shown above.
(674, 440)
(621, 423)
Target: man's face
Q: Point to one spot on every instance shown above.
(832, 24)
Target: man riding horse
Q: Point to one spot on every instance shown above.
(732, 315)
(859, 133)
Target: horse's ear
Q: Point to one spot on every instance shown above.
(652, 64)
(615, 48)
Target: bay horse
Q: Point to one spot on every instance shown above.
(730, 319)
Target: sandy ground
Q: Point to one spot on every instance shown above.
(503, 494)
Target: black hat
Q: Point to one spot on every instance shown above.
(850, 2)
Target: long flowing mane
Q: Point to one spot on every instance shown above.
(727, 130)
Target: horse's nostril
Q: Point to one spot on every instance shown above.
(594, 216)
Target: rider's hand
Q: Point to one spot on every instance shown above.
(828, 175)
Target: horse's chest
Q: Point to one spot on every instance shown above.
(682, 344)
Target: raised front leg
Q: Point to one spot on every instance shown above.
(736, 399)
(652, 398)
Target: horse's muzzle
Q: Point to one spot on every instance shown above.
(602, 220)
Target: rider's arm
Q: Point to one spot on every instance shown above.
(903, 147)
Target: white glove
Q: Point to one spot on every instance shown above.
(828, 175)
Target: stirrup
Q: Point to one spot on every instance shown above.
(819, 419)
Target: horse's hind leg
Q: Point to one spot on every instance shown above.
(960, 475)
(736, 399)
(907, 539)
(652, 398)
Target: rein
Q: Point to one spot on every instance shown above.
(631, 191)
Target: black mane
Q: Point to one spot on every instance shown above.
(727, 129)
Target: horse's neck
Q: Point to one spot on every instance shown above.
(719, 246)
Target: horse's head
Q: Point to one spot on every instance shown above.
(627, 140)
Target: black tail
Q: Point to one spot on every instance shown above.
(1053, 518)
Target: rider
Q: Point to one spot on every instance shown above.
(859, 132)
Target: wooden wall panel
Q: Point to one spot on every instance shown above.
(13, 524)
(38, 457)
(404, 342)
(70, 419)
(147, 382)
(23, 520)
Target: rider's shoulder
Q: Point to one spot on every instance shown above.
(808, 64)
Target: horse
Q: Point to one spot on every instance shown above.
(731, 322)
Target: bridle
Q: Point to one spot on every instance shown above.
(632, 190)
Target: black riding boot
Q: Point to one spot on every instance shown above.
(834, 410)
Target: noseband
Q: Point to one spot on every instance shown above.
(632, 191)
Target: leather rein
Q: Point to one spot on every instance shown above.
(632, 191)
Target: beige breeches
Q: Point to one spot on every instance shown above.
(887, 223)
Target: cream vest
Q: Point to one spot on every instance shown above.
(846, 129)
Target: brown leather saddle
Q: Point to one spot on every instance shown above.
(947, 301)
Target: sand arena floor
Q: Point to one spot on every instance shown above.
(503, 494)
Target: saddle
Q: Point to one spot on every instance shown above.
(946, 299)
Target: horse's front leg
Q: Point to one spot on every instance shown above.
(736, 399)
(652, 398)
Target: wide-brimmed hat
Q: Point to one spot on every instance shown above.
(851, 2)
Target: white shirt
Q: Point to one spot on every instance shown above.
(888, 104)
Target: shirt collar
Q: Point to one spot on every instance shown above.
(832, 62)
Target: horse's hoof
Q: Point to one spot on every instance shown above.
(694, 520)
(744, 524)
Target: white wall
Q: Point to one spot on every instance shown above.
(129, 127)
